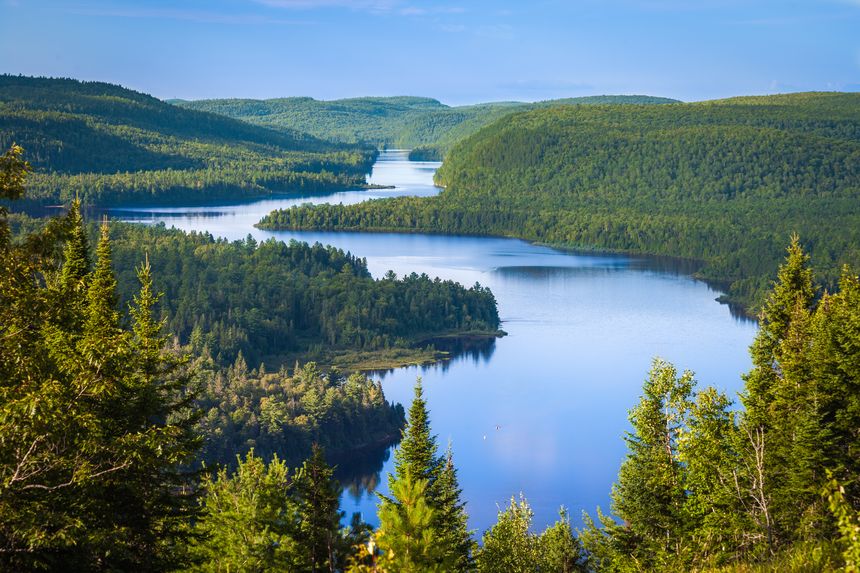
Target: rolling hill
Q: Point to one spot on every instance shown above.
(110, 144)
(723, 182)
(425, 125)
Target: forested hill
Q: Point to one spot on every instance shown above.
(726, 182)
(110, 144)
(406, 122)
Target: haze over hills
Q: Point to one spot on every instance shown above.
(725, 182)
(423, 124)
(110, 144)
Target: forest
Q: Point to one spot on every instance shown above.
(426, 126)
(278, 302)
(103, 419)
(723, 182)
(107, 145)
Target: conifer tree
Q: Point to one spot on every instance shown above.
(778, 425)
(318, 496)
(650, 492)
(416, 455)
(452, 520)
(559, 549)
(508, 545)
(76, 257)
(249, 522)
(406, 536)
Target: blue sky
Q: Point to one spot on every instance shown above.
(458, 51)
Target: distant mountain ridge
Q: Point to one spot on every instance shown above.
(109, 143)
(400, 121)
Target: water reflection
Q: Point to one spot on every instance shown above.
(360, 473)
(582, 331)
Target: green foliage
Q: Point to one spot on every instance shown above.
(509, 546)
(249, 521)
(94, 432)
(406, 535)
(848, 522)
(13, 173)
(704, 487)
(108, 145)
(274, 301)
(318, 493)
(418, 465)
(405, 122)
(725, 183)
(285, 415)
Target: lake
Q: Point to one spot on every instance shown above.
(543, 410)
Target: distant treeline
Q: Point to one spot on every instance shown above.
(724, 182)
(107, 144)
(424, 125)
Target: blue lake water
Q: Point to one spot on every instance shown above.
(543, 410)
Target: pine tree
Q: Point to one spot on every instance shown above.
(416, 455)
(318, 495)
(452, 521)
(406, 535)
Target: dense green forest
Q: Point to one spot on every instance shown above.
(107, 144)
(425, 125)
(723, 182)
(100, 422)
(279, 302)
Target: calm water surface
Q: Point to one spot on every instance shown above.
(541, 411)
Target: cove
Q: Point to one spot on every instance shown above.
(543, 410)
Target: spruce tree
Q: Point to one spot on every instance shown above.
(76, 257)
(416, 459)
(318, 496)
(779, 425)
(452, 521)
(406, 536)
(417, 454)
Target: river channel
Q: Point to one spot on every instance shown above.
(543, 410)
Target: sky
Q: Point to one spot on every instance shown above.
(458, 51)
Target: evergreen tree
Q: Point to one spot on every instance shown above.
(416, 455)
(650, 492)
(453, 522)
(507, 545)
(559, 549)
(76, 257)
(779, 422)
(406, 536)
(318, 496)
(835, 358)
(92, 433)
(249, 522)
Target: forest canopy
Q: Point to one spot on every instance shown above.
(722, 182)
(425, 125)
(108, 144)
